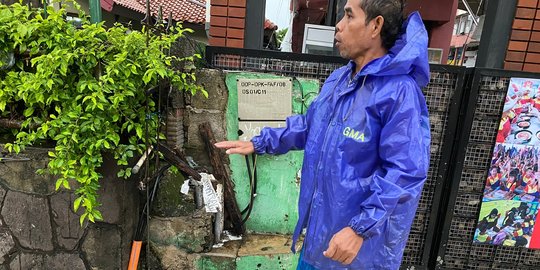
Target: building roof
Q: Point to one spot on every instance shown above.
(182, 10)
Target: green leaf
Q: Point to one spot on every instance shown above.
(28, 112)
(22, 30)
(58, 184)
(205, 94)
(74, 137)
(82, 218)
(65, 184)
(76, 204)
(98, 215)
(5, 13)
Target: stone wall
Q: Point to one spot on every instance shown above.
(39, 230)
(179, 233)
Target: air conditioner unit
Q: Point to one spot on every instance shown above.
(318, 39)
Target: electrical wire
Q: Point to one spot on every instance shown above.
(303, 97)
(141, 225)
(253, 186)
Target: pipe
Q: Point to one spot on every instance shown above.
(469, 10)
(139, 164)
(95, 11)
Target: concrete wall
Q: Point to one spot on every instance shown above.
(275, 207)
(39, 230)
(183, 239)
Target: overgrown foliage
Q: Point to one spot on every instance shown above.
(84, 89)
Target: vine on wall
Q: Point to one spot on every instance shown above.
(84, 89)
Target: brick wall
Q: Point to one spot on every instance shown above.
(524, 45)
(227, 23)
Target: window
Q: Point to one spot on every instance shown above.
(469, 24)
(462, 24)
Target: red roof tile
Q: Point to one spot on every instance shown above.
(182, 10)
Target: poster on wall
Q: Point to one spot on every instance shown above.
(509, 211)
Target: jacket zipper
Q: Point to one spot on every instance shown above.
(316, 176)
(325, 141)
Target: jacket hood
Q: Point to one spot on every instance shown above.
(407, 56)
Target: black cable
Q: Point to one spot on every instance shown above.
(253, 187)
(254, 158)
(141, 225)
(303, 97)
(250, 184)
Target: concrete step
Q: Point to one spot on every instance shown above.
(255, 251)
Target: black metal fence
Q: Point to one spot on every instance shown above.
(479, 125)
(443, 96)
(464, 106)
(291, 64)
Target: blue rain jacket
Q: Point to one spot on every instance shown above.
(366, 141)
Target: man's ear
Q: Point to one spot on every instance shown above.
(376, 27)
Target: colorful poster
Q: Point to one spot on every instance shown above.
(509, 210)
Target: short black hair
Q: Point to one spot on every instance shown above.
(514, 172)
(392, 12)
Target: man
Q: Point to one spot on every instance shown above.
(366, 140)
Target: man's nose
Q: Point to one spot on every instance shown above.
(338, 27)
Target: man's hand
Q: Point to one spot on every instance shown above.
(236, 147)
(344, 246)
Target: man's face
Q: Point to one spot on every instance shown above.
(353, 35)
